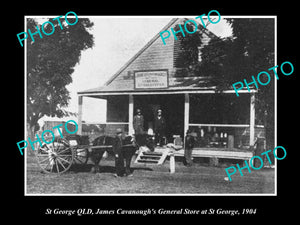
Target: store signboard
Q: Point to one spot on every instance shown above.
(151, 79)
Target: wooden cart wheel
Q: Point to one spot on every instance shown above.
(81, 155)
(56, 157)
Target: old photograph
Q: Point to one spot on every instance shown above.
(151, 105)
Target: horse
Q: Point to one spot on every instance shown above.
(105, 144)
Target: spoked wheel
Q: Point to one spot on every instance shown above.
(56, 157)
(81, 155)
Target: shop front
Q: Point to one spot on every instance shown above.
(222, 123)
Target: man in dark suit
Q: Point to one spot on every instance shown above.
(159, 128)
(117, 149)
(123, 149)
(189, 145)
(138, 122)
(138, 126)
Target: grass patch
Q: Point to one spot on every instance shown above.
(199, 179)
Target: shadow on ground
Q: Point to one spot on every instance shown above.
(77, 168)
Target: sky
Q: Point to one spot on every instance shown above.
(116, 39)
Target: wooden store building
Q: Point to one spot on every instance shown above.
(223, 124)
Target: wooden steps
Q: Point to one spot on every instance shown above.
(148, 157)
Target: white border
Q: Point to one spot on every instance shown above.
(25, 109)
(169, 16)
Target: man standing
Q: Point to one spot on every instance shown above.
(159, 128)
(138, 126)
(138, 122)
(117, 149)
(188, 148)
(122, 150)
(128, 151)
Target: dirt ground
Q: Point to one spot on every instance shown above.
(198, 179)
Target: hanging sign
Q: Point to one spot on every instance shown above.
(154, 79)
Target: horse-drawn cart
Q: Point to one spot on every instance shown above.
(58, 156)
(62, 153)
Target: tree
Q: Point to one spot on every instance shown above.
(187, 48)
(50, 64)
(249, 51)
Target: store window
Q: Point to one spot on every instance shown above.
(219, 109)
(117, 108)
(221, 121)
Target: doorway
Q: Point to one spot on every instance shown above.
(172, 106)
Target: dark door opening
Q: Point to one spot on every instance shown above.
(172, 107)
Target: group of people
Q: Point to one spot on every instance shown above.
(159, 126)
(159, 130)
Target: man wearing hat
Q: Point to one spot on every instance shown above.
(122, 152)
(138, 126)
(117, 149)
(159, 128)
(138, 122)
(188, 148)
